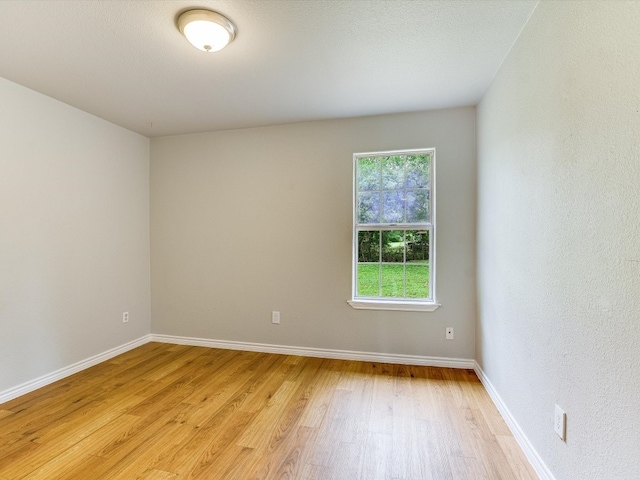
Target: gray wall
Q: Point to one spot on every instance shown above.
(248, 221)
(74, 235)
(558, 229)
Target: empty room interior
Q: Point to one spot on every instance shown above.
(219, 261)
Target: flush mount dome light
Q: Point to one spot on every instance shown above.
(206, 30)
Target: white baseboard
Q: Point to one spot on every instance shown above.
(319, 352)
(39, 382)
(532, 455)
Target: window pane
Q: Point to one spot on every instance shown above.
(369, 173)
(393, 172)
(393, 207)
(369, 207)
(417, 270)
(369, 280)
(417, 246)
(417, 280)
(369, 246)
(417, 171)
(418, 206)
(393, 246)
(393, 280)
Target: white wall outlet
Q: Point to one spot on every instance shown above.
(275, 317)
(448, 333)
(125, 317)
(560, 422)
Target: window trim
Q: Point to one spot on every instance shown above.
(398, 305)
(382, 303)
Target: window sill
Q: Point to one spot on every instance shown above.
(391, 305)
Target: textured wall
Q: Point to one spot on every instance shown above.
(74, 235)
(248, 221)
(558, 228)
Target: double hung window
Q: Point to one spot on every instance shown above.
(394, 230)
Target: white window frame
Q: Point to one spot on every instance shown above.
(383, 303)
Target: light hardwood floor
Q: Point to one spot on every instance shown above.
(177, 412)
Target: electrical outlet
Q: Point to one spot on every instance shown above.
(560, 422)
(125, 317)
(448, 333)
(275, 317)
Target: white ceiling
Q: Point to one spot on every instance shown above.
(292, 60)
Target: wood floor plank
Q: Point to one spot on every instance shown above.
(32, 459)
(281, 452)
(287, 458)
(348, 462)
(486, 446)
(260, 431)
(178, 412)
(83, 423)
(86, 464)
(227, 369)
(57, 441)
(467, 468)
(55, 466)
(515, 456)
(156, 475)
(137, 432)
(425, 406)
(326, 381)
(377, 455)
(230, 464)
(262, 390)
(25, 428)
(125, 446)
(331, 429)
(154, 449)
(403, 463)
(209, 443)
(433, 451)
(70, 395)
(15, 461)
(381, 417)
(313, 472)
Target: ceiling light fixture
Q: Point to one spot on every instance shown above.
(206, 30)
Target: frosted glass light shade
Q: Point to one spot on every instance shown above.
(206, 30)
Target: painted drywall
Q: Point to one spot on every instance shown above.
(558, 228)
(74, 235)
(248, 221)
